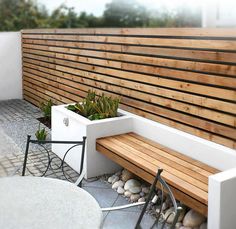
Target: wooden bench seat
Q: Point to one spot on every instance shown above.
(188, 178)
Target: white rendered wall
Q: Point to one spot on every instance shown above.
(210, 153)
(222, 201)
(10, 66)
(78, 126)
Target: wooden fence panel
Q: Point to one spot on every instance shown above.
(184, 78)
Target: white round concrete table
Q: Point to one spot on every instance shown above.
(45, 203)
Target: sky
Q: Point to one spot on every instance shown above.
(97, 6)
(227, 8)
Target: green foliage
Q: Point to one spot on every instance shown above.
(63, 17)
(21, 14)
(71, 108)
(106, 107)
(41, 134)
(66, 17)
(96, 107)
(86, 107)
(123, 13)
(28, 14)
(47, 108)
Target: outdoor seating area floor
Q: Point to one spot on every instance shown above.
(18, 118)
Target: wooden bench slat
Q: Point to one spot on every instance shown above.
(140, 159)
(179, 176)
(169, 159)
(151, 158)
(186, 199)
(179, 155)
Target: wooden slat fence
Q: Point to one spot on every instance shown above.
(184, 78)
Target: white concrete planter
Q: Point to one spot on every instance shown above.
(78, 126)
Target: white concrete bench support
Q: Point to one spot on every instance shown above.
(222, 200)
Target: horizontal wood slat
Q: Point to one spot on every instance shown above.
(129, 60)
(172, 94)
(138, 158)
(115, 69)
(176, 32)
(76, 48)
(185, 78)
(145, 156)
(193, 203)
(132, 102)
(177, 43)
(72, 80)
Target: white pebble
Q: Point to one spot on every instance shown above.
(135, 189)
(193, 219)
(120, 190)
(134, 197)
(117, 184)
(171, 216)
(110, 179)
(115, 179)
(142, 199)
(127, 193)
(131, 183)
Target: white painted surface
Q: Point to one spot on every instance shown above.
(95, 163)
(10, 66)
(220, 13)
(222, 200)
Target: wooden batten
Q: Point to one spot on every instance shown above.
(184, 78)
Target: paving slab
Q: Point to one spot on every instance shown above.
(126, 220)
(121, 200)
(105, 197)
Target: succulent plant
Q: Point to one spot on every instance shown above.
(46, 108)
(95, 107)
(106, 107)
(41, 134)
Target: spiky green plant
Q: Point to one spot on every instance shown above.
(41, 134)
(91, 96)
(106, 107)
(86, 107)
(46, 108)
(96, 107)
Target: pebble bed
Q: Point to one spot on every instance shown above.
(136, 190)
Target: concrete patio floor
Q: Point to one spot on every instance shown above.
(19, 118)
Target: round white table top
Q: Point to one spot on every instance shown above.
(43, 203)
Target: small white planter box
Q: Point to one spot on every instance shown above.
(78, 126)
